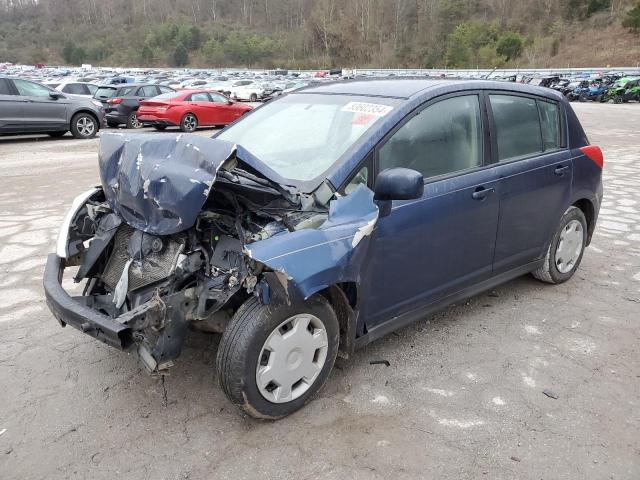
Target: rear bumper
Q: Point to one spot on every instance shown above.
(116, 117)
(154, 120)
(69, 311)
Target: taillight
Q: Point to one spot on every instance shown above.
(114, 101)
(594, 154)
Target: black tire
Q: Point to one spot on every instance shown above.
(549, 272)
(57, 134)
(617, 99)
(112, 124)
(253, 97)
(599, 99)
(583, 97)
(160, 128)
(189, 123)
(84, 126)
(241, 345)
(133, 122)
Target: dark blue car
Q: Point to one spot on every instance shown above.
(322, 221)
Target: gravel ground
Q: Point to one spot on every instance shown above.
(462, 397)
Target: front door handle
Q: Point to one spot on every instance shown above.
(561, 169)
(482, 192)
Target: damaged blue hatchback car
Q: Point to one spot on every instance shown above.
(321, 221)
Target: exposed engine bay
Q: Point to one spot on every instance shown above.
(198, 275)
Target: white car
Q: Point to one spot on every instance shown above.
(83, 89)
(253, 92)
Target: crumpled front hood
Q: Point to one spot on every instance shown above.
(159, 183)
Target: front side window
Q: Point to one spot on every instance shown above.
(517, 126)
(30, 89)
(217, 98)
(444, 138)
(148, 91)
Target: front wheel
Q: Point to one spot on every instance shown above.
(84, 126)
(253, 97)
(273, 359)
(189, 123)
(566, 249)
(617, 99)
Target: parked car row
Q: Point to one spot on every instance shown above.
(601, 88)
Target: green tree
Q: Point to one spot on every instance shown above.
(179, 56)
(213, 52)
(509, 45)
(68, 52)
(465, 42)
(146, 55)
(632, 20)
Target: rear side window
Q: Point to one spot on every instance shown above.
(5, 88)
(517, 126)
(199, 97)
(165, 89)
(550, 122)
(444, 138)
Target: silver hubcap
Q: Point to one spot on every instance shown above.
(134, 122)
(85, 126)
(569, 246)
(190, 122)
(291, 358)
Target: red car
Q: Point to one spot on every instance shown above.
(189, 109)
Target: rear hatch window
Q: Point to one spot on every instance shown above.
(104, 93)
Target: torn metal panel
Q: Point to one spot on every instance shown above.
(158, 184)
(313, 259)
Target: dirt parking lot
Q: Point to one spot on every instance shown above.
(461, 399)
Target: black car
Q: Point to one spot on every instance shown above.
(121, 102)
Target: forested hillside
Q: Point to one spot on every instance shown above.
(322, 33)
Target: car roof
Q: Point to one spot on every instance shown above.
(406, 88)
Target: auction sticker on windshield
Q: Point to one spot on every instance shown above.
(368, 108)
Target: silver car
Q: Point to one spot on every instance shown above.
(29, 107)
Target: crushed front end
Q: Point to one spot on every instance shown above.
(159, 250)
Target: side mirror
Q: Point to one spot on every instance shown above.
(397, 184)
(56, 95)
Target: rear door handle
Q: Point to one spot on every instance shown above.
(561, 169)
(482, 192)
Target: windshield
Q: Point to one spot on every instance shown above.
(301, 136)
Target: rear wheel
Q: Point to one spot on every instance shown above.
(253, 97)
(189, 123)
(273, 359)
(566, 248)
(57, 134)
(133, 122)
(84, 126)
(617, 99)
